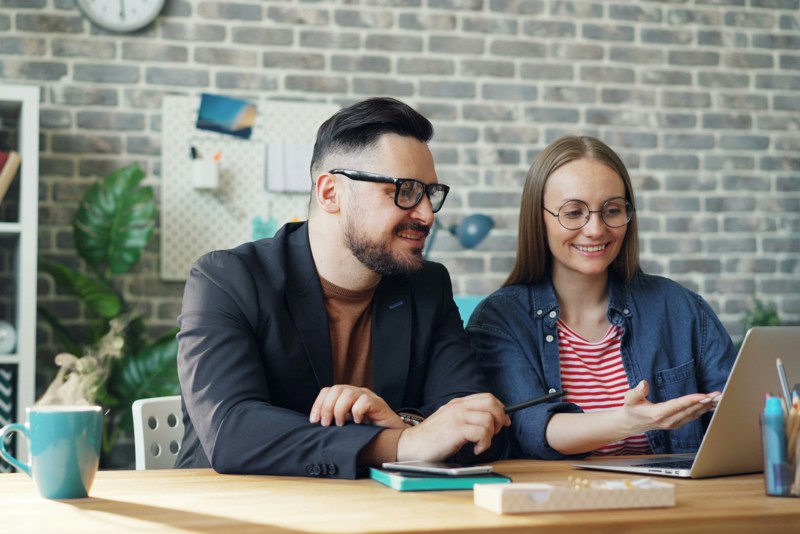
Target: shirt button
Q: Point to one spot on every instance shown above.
(551, 390)
(626, 311)
(539, 312)
(549, 338)
(552, 315)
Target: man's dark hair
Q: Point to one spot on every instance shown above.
(360, 125)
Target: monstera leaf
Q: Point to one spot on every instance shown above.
(115, 221)
(101, 298)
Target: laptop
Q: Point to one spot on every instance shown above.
(732, 443)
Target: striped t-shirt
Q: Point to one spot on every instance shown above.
(593, 375)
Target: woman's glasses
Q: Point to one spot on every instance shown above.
(575, 214)
(408, 192)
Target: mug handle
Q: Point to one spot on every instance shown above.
(8, 429)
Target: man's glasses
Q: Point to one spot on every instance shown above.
(408, 192)
(575, 214)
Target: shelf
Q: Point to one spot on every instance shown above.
(10, 228)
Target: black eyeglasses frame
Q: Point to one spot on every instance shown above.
(426, 190)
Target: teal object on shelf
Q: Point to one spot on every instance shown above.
(466, 305)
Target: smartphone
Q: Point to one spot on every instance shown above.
(437, 468)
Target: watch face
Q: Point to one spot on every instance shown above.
(121, 15)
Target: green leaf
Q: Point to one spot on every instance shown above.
(71, 345)
(115, 221)
(98, 296)
(151, 372)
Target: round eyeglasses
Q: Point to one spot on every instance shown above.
(575, 214)
(408, 192)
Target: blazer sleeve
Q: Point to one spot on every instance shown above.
(225, 389)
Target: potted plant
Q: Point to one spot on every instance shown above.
(111, 361)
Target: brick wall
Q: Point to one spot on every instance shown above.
(702, 99)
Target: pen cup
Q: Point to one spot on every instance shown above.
(781, 477)
(205, 173)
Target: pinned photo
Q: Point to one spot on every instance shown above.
(223, 114)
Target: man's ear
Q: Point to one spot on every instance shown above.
(326, 192)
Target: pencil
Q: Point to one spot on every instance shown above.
(787, 396)
(544, 398)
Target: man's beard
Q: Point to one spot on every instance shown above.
(378, 257)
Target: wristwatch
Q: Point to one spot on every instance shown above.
(411, 419)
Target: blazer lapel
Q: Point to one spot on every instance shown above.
(391, 340)
(306, 305)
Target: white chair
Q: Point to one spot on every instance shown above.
(157, 431)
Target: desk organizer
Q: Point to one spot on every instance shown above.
(574, 494)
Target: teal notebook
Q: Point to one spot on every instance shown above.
(426, 482)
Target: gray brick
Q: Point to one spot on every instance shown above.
(631, 139)
(94, 144)
(674, 205)
(299, 16)
(427, 21)
(550, 29)
(777, 163)
(56, 167)
(778, 41)
(447, 89)
(177, 77)
(551, 114)
(789, 62)
(328, 40)
(316, 84)
(425, 66)
(146, 145)
(144, 51)
(672, 162)
(518, 48)
(576, 51)
(789, 22)
(445, 156)
(743, 101)
(786, 286)
(727, 121)
(436, 111)
(5, 22)
(509, 92)
(230, 11)
(608, 32)
(27, 46)
(751, 19)
(745, 183)
(727, 39)
(487, 112)
(669, 37)
(350, 18)
(666, 77)
(675, 120)
(82, 96)
(245, 80)
(788, 143)
(780, 204)
(501, 264)
(722, 245)
(607, 74)
(723, 204)
(685, 99)
(455, 45)
(750, 265)
(635, 12)
(618, 118)
(782, 82)
(99, 73)
(394, 43)
(193, 32)
(697, 265)
(360, 63)
(695, 224)
(691, 141)
(375, 86)
(577, 8)
(723, 79)
(261, 36)
(693, 182)
(494, 156)
(456, 134)
(778, 122)
(488, 199)
(790, 103)
(727, 286)
(675, 246)
(489, 25)
(143, 98)
(292, 60)
(32, 70)
(506, 178)
(641, 97)
(105, 120)
(744, 142)
(49, 23)
(694, 16)
(789, 266)
(480, 67)
(638, 55)
(543, 71)
(55, 119)
(521, 7)
(511, 135)
(693, 58)
(719, 163)
(578, 95)
(466, 5)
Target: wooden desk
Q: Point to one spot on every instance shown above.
(203, 501)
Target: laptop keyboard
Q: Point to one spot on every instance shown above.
(673, 464)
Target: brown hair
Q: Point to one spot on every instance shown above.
(533, 255)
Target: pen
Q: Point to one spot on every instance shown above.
(787, 396)
(514, 407)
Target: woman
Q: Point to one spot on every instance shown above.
(642, 359)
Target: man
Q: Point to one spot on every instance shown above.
(315, 352)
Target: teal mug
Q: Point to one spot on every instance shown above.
(64, 444)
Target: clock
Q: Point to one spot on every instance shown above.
(121, 15)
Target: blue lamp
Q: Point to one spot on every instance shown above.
(470, 232)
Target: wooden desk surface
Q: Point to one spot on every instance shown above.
(205, 502)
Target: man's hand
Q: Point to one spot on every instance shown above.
(340, 403)
(473, 419)
(642, 415)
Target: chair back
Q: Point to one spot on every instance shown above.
(157, 431)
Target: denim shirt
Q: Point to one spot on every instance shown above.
(670, 337)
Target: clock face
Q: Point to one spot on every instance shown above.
(121, 15)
